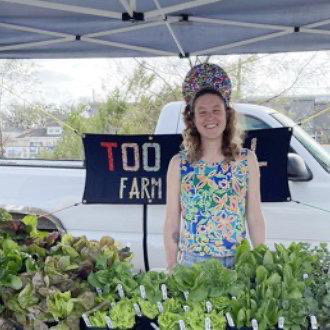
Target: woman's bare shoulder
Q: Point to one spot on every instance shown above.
(251, 156)
(173, 171)
(175, 162)
(176, 158)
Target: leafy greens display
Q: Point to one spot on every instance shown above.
(49, 280)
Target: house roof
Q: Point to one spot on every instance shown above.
(12, 130)
(37, 132)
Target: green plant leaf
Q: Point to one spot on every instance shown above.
(261, 274)
(268, 260)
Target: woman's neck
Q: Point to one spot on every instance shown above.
(212, 150)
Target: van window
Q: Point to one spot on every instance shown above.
(317, 151)
(247, 122)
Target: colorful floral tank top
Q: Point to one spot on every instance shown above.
(213, 206)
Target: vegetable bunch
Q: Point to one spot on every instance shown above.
(43, 276)
(54, 277)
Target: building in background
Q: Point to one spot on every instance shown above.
(31, 142)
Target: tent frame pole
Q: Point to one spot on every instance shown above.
(127, 7)
(170, 30)
(181, 6)
(67, 8)
(131, 47)
(241, 43)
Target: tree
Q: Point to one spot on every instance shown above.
(133, 110)
(108, 116)
(135, 107)
(29, 116)
(149, 94)
(16, 77)
(81, 119)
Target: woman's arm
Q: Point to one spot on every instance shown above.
(173, 212)
(255, 219)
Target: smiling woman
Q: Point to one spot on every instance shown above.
(209, 118)
(213, 183)
(210, 115)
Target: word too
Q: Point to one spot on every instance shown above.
(136, 163)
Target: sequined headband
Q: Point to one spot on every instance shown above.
(204, 76)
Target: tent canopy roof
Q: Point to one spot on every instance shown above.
(144, 28)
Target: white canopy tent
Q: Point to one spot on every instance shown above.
(144, 28)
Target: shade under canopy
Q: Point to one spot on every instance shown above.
(144, 28)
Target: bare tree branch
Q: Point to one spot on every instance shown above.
(207, 58)
(190, 62)
(301, 71)
(154, 71)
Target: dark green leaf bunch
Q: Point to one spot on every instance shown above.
(121, 314)
(205, 280)
(108, 278)
(151, 281)
(288, 282)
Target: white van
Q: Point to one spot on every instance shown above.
(307, 217)
(57, 187)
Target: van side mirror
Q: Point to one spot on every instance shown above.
(297, 168)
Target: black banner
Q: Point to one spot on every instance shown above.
(131, 169)
(128, 169)
(271, 147)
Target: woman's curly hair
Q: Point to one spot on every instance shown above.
(231, 139)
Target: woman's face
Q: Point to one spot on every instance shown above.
(210, 116)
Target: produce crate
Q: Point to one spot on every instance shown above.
(49, 324)
(141, 323)
(84, 326)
